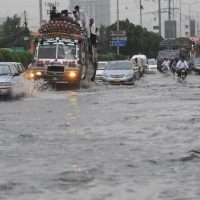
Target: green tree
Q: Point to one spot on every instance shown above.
(12, 33)
(139, 40)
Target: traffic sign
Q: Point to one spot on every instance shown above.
(119, 38)
(118, 33)
(155, 27)
(119, 43)
(17, 49)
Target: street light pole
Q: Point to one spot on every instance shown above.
(180, 18)
(169, 11)
(40, 7)
(118, 25)
(159, 15)
(141, 13)
(189, 13)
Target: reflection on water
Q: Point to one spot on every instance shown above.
(74, 115)
(105, 143)
(72, 98)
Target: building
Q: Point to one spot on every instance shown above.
(170, 29)
(2, 19)
(99, 10)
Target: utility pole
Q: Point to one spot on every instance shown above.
(180, 18)
(25, 20)
(40, 9)
(159, 15)
(198, 24)
(169, 11)
(118, 25)
(141, 7)
(190, 17)
(174, 25)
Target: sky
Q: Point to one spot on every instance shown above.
(127, 9)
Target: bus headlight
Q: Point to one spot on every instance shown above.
(30, 75)
(72, 74)
(38, 73)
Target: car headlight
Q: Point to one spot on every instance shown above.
(129, 75)
(105, 75)
(8, 83)
(5, 84)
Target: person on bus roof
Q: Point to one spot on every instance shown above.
(83, 18)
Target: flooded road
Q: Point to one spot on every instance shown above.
(104, 142)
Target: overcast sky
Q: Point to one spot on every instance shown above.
(128, 9)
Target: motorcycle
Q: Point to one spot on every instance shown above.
(165, 70)
(181, 74)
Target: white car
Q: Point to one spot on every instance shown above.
(10, 79)
(119, 72)
(100, 69)
(152, 66)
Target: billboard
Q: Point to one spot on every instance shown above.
(170, 29)
(192, 28)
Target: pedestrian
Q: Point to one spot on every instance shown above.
(138, 66)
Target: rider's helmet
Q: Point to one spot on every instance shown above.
(76, 8)
(182, 58)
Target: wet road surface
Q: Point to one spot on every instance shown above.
(103, 142)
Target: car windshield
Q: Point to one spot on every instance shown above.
(197, 61)
(66, 51)
(4, 70)
(102, 66)
(169, 54)
(152, 62)
(47, 51)
(119, 66)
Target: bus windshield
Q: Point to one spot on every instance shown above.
(47, 51)
(66, 51)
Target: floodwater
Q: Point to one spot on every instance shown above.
(103, 142)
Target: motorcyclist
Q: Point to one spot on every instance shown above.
(182, 65)
(165, 64)
(174, 64)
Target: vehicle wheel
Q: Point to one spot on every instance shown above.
(133, 81)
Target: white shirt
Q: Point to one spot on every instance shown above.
(166, 64)
(182, 65)
(93, 29)
(84, 20)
